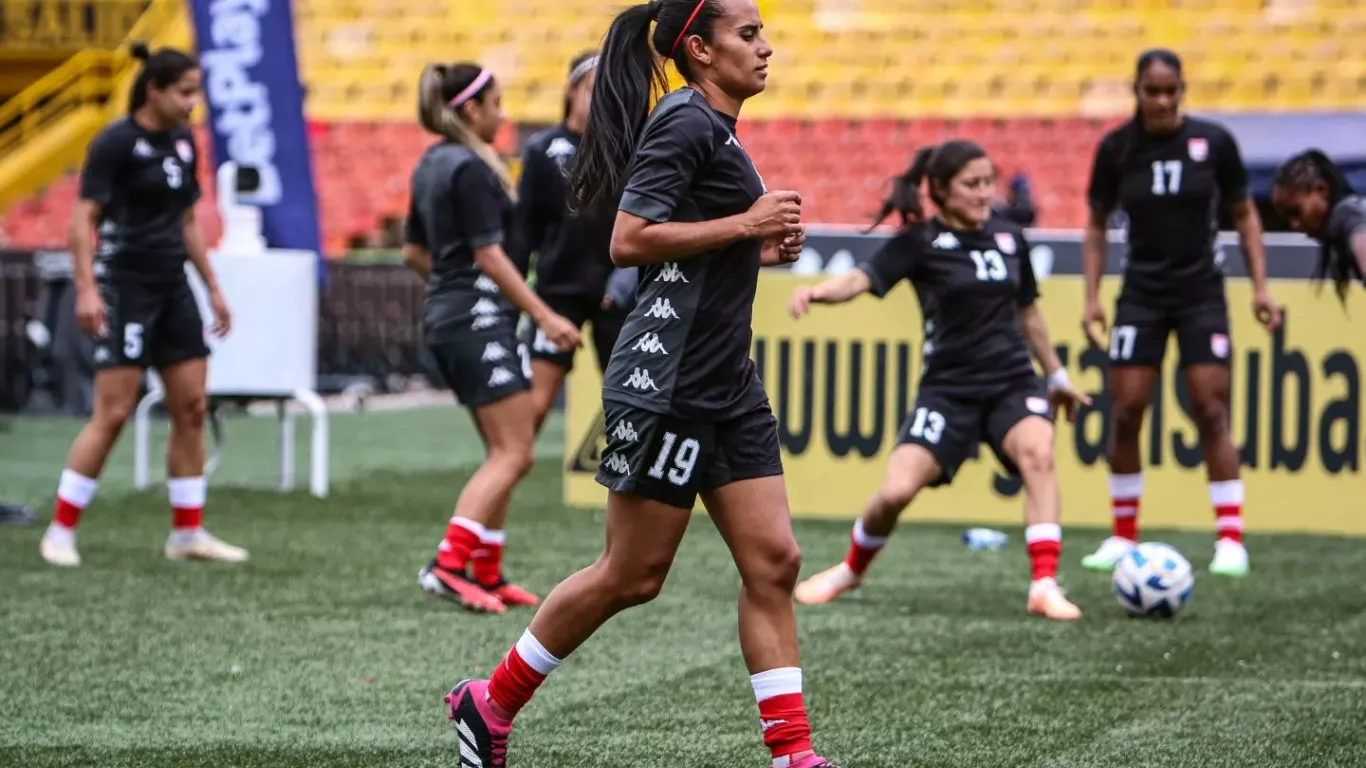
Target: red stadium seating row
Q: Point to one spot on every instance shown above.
(841, 167)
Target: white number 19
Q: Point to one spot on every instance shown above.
(684, 460)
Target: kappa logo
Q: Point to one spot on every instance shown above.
(617, 463)
(493, 352)
(542, 343)
(143, 149)
(766, 724)
(640, 379)
(649, 343)
(501, 376)
(560, 147)
(670, 273)
(484, 307)
(625, 431)
(945, 242)
(485, 284)
(484, 322)
(662, 309)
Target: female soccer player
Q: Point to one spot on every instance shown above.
(1312, 194)
(685, 411)
(572, 264)
(972, 274)
(138, 190)
(1171, 174)
(458, 221)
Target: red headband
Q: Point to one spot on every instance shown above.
(684, 33)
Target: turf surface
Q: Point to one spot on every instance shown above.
(322, 652)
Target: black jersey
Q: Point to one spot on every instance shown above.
(684, 350)
(1345, 221)
(572, 251)
(458, 206)
(144, 182)
(971, 284)
(1172, 187)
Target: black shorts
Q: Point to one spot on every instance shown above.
(950, 425)
(579, 310)
(1138, 336)
(672, 460)
(149, 325)
(483, 368)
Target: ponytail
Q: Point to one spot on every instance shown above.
(161, 69)
(439, 85)
(905, 197)
(1299, 172)
(629, 75)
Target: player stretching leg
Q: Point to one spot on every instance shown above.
(460, 214)
(138, 190)
(573, 267)
(972, 274)
(1171, 174)
(1312, 193)
(686, 413)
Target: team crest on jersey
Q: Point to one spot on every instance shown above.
(1036, 405)
(1218, 344)
(184, 149)
(1198, 149)
(1006, 242)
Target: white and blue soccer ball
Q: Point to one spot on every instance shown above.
(1153, 580)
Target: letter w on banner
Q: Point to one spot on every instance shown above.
(251, 84)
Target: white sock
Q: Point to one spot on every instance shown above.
(535, 655)
(776, 682)
(490, 536)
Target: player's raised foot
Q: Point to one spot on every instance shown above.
(1110, 552)
(458, 588)
(1047, 599)
(59, 552)
(511, 594)
(827, 585)
(1230, 559)
(482, 734)
(199, 544)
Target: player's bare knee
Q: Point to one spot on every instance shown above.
(189, 412)
(1127, 419)
(1211, 418)
(896, 494)
(637, 582)
(1036, 459)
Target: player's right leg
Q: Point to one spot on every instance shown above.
(646, 520)
(936, 437)
(1138, 342)
(121, 356)
(489, 377)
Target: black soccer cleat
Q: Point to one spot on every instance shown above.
(483, 735)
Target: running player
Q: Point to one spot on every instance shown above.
(1312, 194)
(458, 222)
(572, 262)
(1172, 174)
(685, 410)
(137, 190)
(972, 274)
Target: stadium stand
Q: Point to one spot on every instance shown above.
(1036, 81)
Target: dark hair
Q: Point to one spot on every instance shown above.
(162, 69)
(574, 65)
(629, 76)
(1299, 172)
(1135, 129)
(938, 165)
(438, 85)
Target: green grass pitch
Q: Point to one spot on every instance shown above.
(322, 652)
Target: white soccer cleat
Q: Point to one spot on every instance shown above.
(1110, 552)
(1230, 559)
(1047, 599)
(200, 545)
(59, 553)
(827, 585)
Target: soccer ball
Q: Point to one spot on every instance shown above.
(1153, 580)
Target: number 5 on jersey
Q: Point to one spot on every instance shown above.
(174, 175)
(684, 460)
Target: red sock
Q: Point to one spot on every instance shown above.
(67, 514)
(786, 729)
(862, 549)
(1125, 491)
(526, 665)
(1227, 497)
(187, 501)
(74, 493)
(1043, 541)
(462, 538)
(488, 558)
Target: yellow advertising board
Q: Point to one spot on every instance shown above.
(841, 378)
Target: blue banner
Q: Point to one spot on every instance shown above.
(255, 99)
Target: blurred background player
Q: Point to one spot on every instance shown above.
(572, 260)
(138, 189)
(460, 218)
(1172, 174)
(977, 290)
(686, 413)
(1313, 195)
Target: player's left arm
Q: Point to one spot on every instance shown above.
(416, 255)
(1231, 176)
(198, 254)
